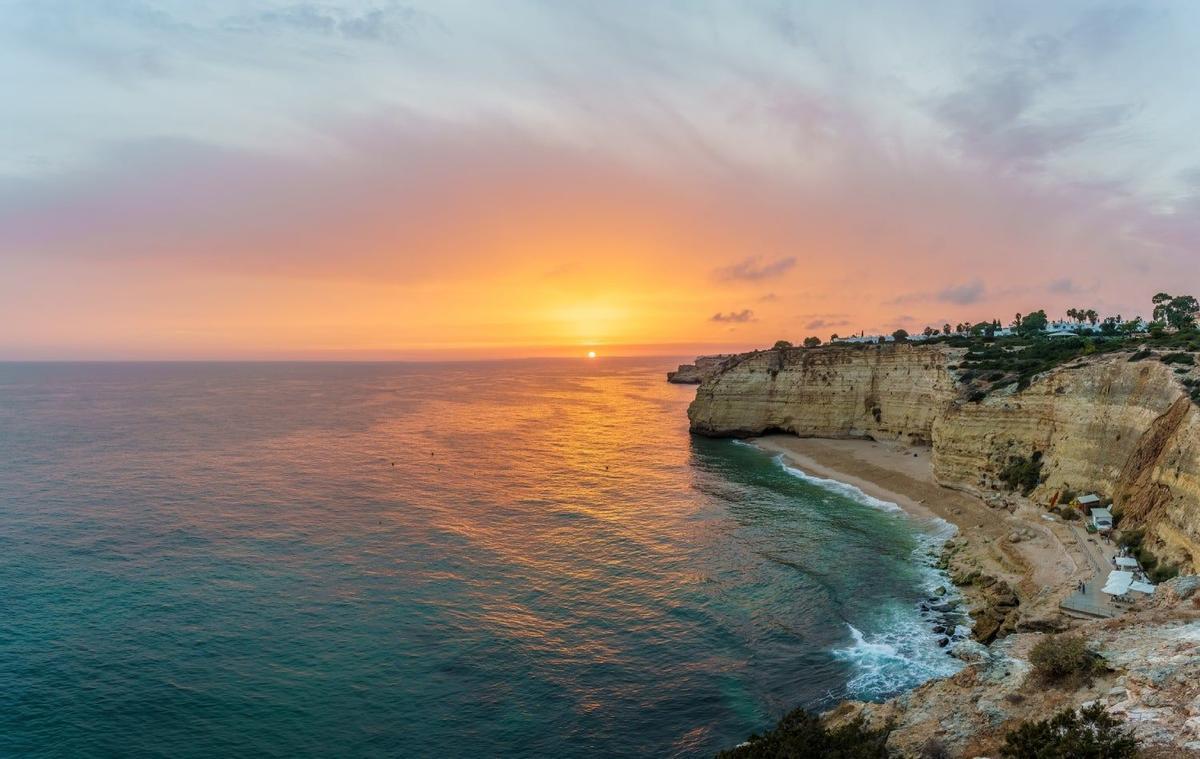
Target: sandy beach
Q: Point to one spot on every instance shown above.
(1039, 558)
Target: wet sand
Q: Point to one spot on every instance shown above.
(1042, 566)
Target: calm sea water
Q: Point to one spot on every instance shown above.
(517, 558)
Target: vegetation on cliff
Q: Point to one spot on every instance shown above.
(802, 734)
(1090, 733)
(1064, 659)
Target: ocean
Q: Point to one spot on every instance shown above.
(515, 558)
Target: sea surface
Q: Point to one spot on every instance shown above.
(521, 558)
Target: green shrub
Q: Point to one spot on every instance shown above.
(1141, 355)
(1059, 658)
(802, 734)
(1091, 733)
(1131, 538)
(1164, 572)
(1145, 557)
(1178, 358)
(1023, 473)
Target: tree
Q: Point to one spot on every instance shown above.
(1108, 327)
(929, 331)
(900, 336)
(1033, 323)
(780, 344)
(945, 329)
(1091, 316)
(812, 342)
(1091, 733)
(1073, 314)
(1016, 324)
(1177, 311)
(1131, 326)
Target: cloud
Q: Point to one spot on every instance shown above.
(768, 298)
(826, 323)
(753, 269)
(388, 23)
(734, 317)
(1067, 286)
(963, 295)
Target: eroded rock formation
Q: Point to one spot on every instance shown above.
(1122, 429)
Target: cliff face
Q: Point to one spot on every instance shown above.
(1126, 430)
(1119, 428)
(694, 374)
(881, 392)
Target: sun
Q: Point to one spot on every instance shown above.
(591, 354)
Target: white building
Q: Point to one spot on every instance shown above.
(1102, 519)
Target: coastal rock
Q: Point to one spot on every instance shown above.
(1126, 430)
(694, 374)
(1152, 682)
(880, 392)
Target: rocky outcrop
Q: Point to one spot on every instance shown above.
(1126, 430)
(879, 392)
(1152, 683)
(694, 374)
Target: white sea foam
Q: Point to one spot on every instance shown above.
(905, 653)
(841, 488)
(903, 656)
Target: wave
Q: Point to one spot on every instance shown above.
(844, 489)
(904, 652)
(895, 660)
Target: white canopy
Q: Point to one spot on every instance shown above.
(1141, 587)
(1118, 583)
(1127, 561)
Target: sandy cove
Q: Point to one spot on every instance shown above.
(1041, 560)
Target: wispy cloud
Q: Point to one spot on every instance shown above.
(734, 317)
(754, 268)
(963, 295)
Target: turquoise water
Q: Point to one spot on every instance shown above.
(526, 558)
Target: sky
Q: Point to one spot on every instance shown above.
(379, 179)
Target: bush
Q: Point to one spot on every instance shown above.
(1131, 538)
(1070, 513)
(1141, 355)
(1178, 358)
(1089, 733)
(1164, 573)
(802, 734)
(1059, 658)
(1023, 473)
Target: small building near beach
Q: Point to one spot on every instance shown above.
(1091, 500)
(1102, 519)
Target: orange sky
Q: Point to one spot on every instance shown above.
(540, 184)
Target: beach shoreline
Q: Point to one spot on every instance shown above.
(1037, 558)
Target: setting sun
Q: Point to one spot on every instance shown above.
(591, 354)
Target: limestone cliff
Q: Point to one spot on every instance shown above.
(1126, 430)
(695, 373)
(883, 392)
